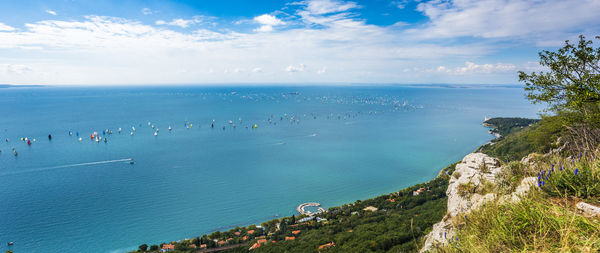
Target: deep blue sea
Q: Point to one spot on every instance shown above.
(330, 144)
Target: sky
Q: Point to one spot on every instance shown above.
(130, 42)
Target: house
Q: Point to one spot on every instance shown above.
(296, 232)
(262, 241)
(167, 247)
(370, 208)
(288, 238)
(237, 233)
(391, 200)
(319, 219)
(254, 246)
(245, 238)
(221, 243)
(203, 246)
(250, 232)
(418, 191)
(326, 246)
(193, 246)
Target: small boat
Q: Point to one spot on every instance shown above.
(131, 162)
(10, 243)
(155, 133)
(170, 128)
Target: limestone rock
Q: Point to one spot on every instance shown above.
(474, 168)
(588, 210)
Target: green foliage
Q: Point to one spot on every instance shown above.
(577, 176)
(466, 189)
(511, 176)
(532, 224)
(153, 247)
(572, 83)
(143, 247)
(396, 227)
(540, 137)
(504, 126)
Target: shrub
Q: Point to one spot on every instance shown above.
(465, 190)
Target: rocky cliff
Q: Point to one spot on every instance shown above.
(470, 186)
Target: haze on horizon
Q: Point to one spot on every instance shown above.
(312, 41)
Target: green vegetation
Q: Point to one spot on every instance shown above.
(504, 126)
(575, 177)
(546, 220)
(540, 137)
(571, 88)
(533, 224)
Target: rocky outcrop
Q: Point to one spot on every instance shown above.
(467, 191)
(588, 210)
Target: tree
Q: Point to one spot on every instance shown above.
(154, 247)
(143, 247)
(571, 87)
(573, 80)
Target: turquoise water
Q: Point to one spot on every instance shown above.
(330, 145)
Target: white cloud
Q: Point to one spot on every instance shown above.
(472, 68)
(319, 7)
(147, 11)
(95, 50)
(51, 12)
(4, 27)
(267, 22)
(538, 20)
(18, 69)
(400, 4)
(292, 68)
(183, 23)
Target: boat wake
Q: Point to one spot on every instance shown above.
(65, 166)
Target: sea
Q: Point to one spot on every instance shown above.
(174, 162)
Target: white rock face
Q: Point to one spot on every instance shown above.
(588, 210)
(475, 168)
(471, 170)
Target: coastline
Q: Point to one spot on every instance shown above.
(414, 190)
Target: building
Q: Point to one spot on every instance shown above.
(167, 247)
(326, 246)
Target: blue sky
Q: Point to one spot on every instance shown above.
(311, 41)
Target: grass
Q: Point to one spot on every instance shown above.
(533, 224)
(577, 176)
(545, 220)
